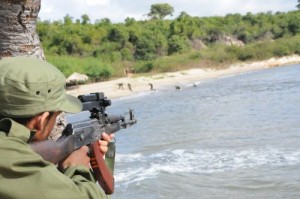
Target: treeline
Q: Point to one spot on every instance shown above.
(103, 49)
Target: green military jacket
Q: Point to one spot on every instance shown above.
(24, 174)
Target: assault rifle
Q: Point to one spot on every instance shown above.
(88, 132)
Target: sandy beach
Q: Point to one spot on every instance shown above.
(113, 89)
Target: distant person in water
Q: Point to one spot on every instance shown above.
(129, 87)
(151, 86)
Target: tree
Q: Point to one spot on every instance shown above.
(68, 20)
(160, 11)
(129, 21)
(117, 34)
(103, 22)
(18, 35)
(145, 47)
(298, 5)
(294, 25)
(85, 19)
(178, 44)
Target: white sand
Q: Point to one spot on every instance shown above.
(170, 80)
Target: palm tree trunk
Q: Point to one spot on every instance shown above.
(18, 35)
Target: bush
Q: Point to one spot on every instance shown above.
(220, 53)
(115, 56)
(127, 54)
(178, 45)
(261, 50)
(195, 56)
(145, 49)
(99, 72)
(281, 51)
(245, 54)
(144, 67)
(90, 66)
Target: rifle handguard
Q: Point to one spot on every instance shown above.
(101, 172)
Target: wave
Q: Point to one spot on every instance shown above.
(138, 167)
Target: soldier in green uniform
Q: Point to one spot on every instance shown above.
(32, 95)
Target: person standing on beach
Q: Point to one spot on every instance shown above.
(32, 95)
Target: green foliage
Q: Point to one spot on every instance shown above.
(145, 48)
(220, 53)
(85, 19)
(146, 40)
(160, 10)
(178, 44)
(103, 49)
(294, 25)
(129, 21)
(143, 67)
(90, 66)
(287, 46)
(245, 54)
(117, 35)
(68, 20)
(281, 51)
(186, 26)
(105, 22)
(126, 54)
(98, 72)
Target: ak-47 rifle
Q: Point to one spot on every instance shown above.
(88, 132)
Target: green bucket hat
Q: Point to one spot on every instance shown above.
(29, 86)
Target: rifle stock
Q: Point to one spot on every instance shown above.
(54, 151)
(87, 132)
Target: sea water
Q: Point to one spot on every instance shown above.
(231, 137)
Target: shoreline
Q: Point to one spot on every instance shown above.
(172, 80)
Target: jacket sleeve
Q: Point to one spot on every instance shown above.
(24, 174)
(80, 176)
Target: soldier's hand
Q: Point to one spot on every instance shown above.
(76, 158)
(104, 142)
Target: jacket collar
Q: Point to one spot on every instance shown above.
(14, 129)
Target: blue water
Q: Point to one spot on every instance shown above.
(232, 137)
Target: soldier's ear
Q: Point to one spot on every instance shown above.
(41, 120)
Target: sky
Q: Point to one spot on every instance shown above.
(118, 10)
